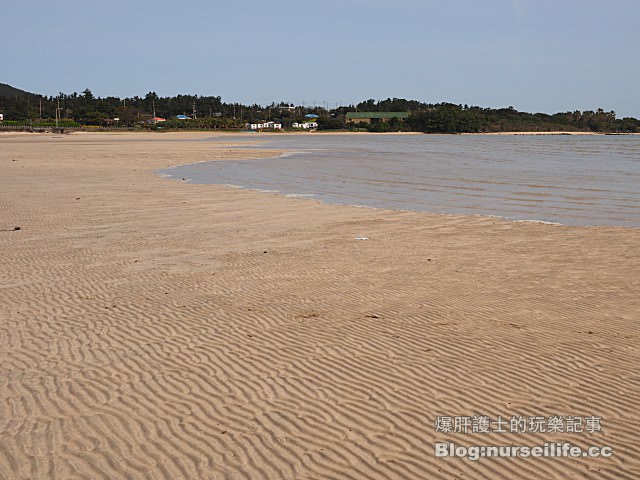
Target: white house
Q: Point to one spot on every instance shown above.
(265, 126)
(305, 125)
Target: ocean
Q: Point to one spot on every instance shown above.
(580, 180)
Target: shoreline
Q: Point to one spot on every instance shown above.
(159, 329)
(6, 133)
(195, 174)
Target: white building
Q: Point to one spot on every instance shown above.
(266, 126)
(1, 117)
(306, 125)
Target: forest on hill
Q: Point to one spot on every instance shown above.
(210, 112)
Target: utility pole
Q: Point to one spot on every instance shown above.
(58, 114)
(194, 115)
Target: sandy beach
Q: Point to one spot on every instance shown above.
(155, 329)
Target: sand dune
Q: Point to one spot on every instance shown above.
(155, 329)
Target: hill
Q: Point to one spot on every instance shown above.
(9, 91)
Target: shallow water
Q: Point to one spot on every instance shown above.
(567, 179)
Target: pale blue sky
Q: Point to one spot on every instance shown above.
(534, 55)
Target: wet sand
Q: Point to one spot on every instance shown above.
(151, 328)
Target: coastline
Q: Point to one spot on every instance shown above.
(6, 133)
(155, 328)
(532, 186)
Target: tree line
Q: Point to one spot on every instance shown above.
(451, 118)
(210, 112)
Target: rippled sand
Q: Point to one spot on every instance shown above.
(155, 329)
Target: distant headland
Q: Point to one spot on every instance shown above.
(24, 110)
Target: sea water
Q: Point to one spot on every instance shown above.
(567, 179)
